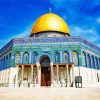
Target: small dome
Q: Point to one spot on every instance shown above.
(50, 22)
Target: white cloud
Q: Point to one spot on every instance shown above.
(64, 3)
(57, 3)
(89, 34)
(77, 30)
(98, 20)
(98, 45)
(25, 33)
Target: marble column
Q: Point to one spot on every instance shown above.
(0, 77)
(68, 83)
(52, 74)
(32, 67)
(73, 75)
(22, 74)
(57, 75)
(16, 84)
(7, 76)
(3, 76)
(38, 79)
(12, 77)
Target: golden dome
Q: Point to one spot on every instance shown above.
(50, 22)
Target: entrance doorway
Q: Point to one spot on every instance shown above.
(45, 71)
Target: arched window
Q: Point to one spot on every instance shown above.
(57, 57)
(26, 58)
(96, 62)
(75, 58)
(17, 57)
(34, 58)
(1, 62)
(99, 63)
(88, 61)
(66, 57)
(9, 58)
(83, 59)
(93, 62)
(4, 62)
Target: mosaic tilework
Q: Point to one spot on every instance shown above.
(35, 40)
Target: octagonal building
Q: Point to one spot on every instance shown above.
(49, 57)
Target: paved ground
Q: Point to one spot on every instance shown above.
(49, 94)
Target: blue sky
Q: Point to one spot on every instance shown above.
(18, 16)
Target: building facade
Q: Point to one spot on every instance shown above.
(49, 57)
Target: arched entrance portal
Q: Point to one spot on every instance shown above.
(45, 71)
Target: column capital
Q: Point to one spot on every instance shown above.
(22, 66)
(57, 65)
(32, 65)
(38, 64)
(66, 65)
(51, 63)
(73, 65)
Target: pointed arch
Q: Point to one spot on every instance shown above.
(75, 58)
(66, 57)
(7, 60)
(57, 57)
(93, 61)
(34, 57)
(26, 58)
(99, 63)
(88, 60)
(4, 62)
(96, 62)
(1, 63)
(83, 59)
(17, 57)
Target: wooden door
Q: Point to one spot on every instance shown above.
(45, 77)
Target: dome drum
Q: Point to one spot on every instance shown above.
(49, 34)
